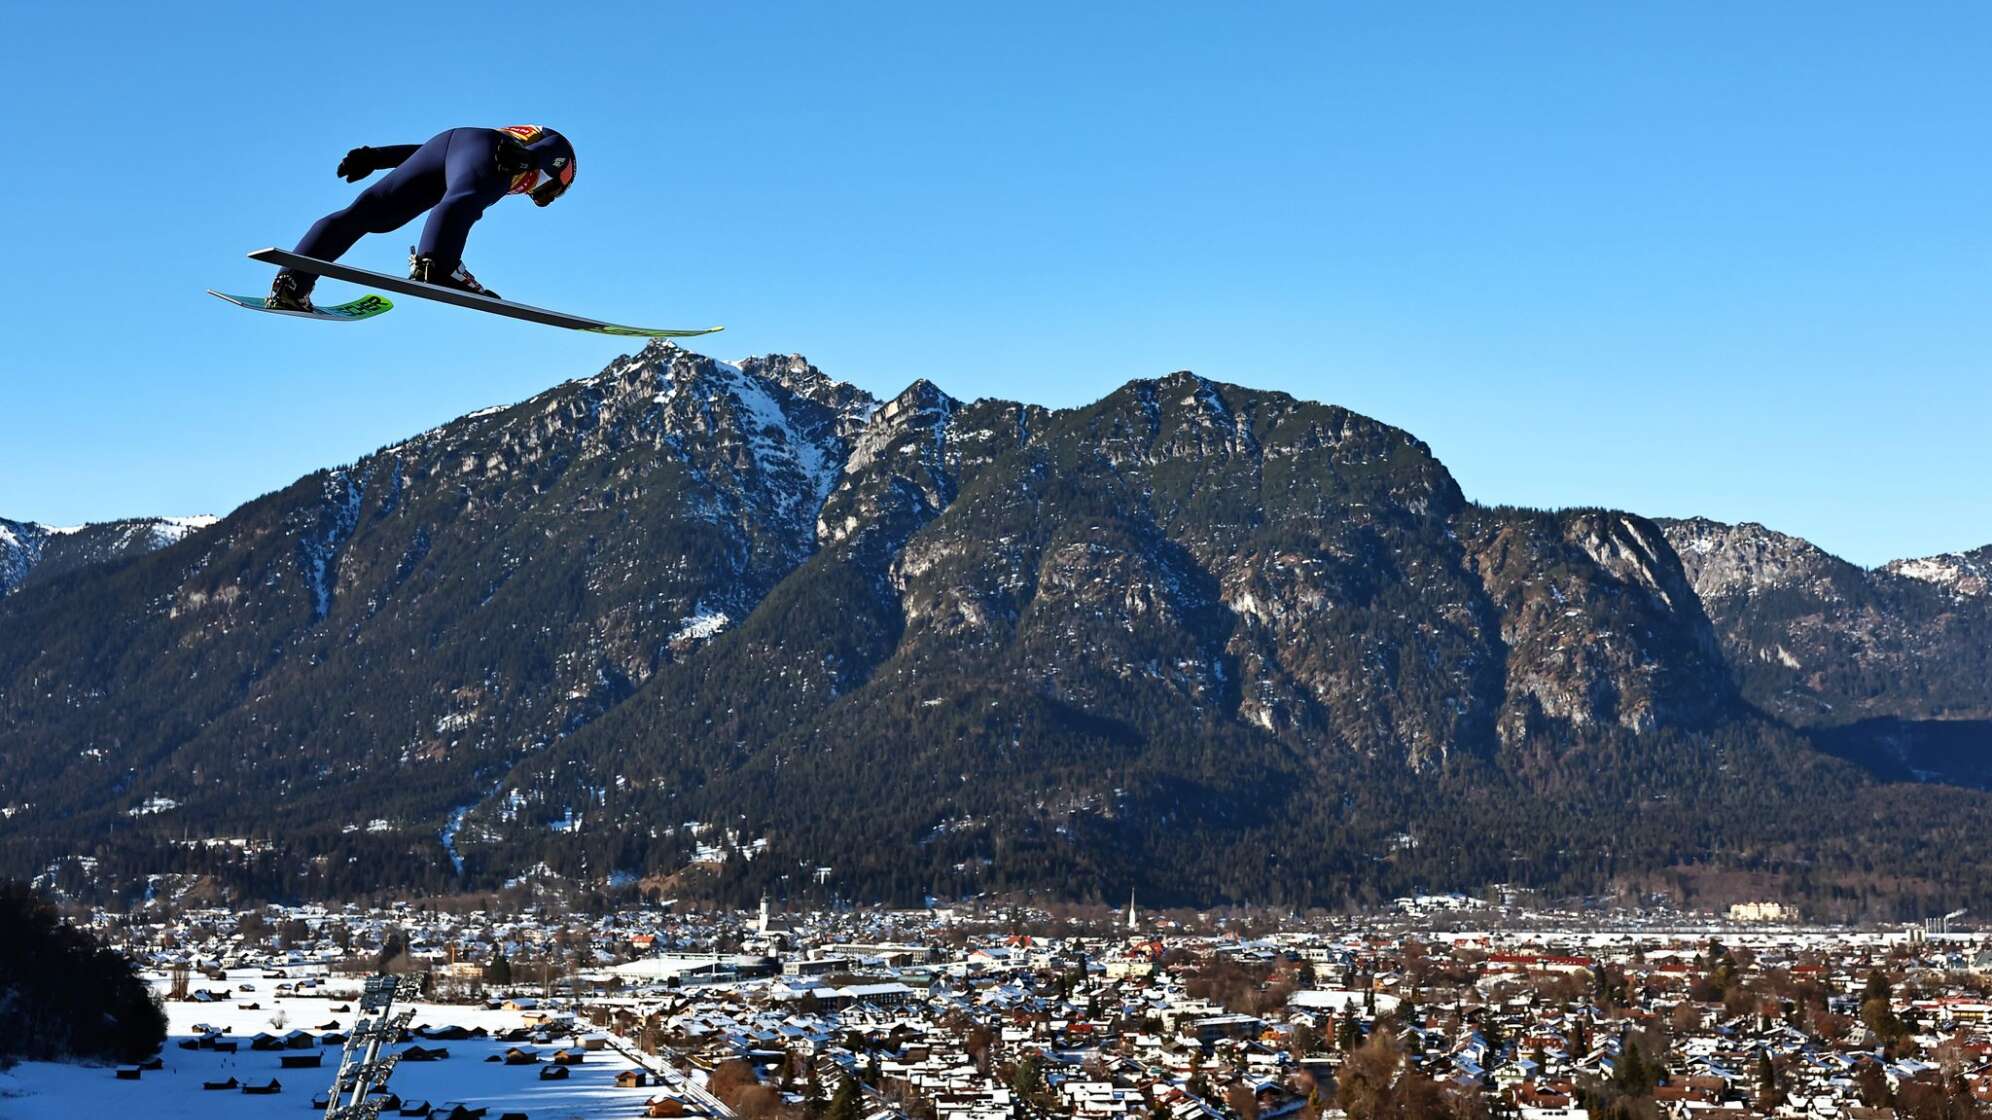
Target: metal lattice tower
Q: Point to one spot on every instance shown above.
(362, 1071)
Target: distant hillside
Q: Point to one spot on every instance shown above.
(695, 627)
(1891, 667)
(31, 552)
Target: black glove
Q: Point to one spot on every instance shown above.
(358, 164)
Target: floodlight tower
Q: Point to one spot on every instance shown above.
(362, 1071)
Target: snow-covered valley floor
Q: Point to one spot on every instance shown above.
(59, 1091)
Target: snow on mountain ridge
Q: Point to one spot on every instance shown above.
(1966, 574)
(170, 530)
(27, 545)
(20, 550)
(1745, 557)
(788, 445)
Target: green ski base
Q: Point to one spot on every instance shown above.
(365, 307)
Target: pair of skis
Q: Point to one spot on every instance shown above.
(368, 306)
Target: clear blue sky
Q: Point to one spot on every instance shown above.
(1715, 258)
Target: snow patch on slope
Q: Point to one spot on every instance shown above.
(700, 626)
(774, 437)
(172, 530)
(317, 548)
(450, 829)
(1968, 575)
(20, 550)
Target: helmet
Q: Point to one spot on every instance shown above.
(559, 176)
(539, 159)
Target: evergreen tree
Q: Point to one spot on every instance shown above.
(844, 1103)
(1768, 1096)
(1878, 1011)
(1629, 1071)
(1348, 1035)
(813, 1102)
(1027, 1080)
(67, 995)
(391, 947)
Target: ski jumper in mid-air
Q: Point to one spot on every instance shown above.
(455, 176)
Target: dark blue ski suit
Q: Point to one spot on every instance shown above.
(455, 176)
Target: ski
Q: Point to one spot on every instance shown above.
(403, 286)
(365, 307)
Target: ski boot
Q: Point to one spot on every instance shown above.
(430, 271)
(287, 293)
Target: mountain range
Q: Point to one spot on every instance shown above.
(704, 629)
(31, 551)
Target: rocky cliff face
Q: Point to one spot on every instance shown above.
(1749, 559)
(1599, 621)
(692, 618)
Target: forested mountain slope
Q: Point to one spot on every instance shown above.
(719, 628)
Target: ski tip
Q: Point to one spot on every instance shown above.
(645, 332)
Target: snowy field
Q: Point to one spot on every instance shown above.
(51, 1091)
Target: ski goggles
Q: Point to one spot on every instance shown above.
(556, 183)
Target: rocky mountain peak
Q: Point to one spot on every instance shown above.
(1182, 414)
(794, 373)
(920, 408)
(1723, 559)
(1636, 552)
(898, 473)
(1965, 574)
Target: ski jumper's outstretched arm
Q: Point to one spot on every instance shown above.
(394, 155)
(550, 145)
(363, 161)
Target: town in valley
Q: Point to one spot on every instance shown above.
(1434, 1008)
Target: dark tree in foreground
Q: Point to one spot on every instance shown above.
(844, 1104)
(63, 994)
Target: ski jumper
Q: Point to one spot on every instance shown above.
(455, 176)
